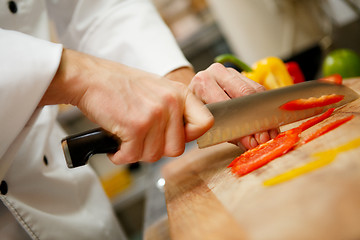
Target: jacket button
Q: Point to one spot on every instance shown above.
(12, 7)
(45, 161)
(3, 188)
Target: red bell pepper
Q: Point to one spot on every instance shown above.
(311, 122)
(326, 129)
(301, 104)
(295, 72)
(266, 152)
(334, 78)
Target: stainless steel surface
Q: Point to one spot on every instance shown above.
(258, 112)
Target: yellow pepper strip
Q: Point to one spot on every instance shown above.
(323, 158)
(271, 72)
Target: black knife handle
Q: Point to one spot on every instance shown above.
(80, 147)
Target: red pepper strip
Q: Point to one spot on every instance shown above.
(301, 104)
(266, 152)
(295, 72)
(311, 122)
(334, 78)
(326, 129)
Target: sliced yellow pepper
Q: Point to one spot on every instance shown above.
(271, 72)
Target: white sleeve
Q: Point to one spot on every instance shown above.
(126, 31)
(27, 68)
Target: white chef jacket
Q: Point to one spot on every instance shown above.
(42, 196)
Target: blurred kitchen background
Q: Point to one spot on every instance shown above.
(300, 30)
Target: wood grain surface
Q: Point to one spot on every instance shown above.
(205, 201)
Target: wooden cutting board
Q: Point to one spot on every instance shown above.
(205, 201)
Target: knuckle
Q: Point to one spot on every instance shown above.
(153, 112)
(156, 112)
(260, 88)
(217, 66)
(200, 77)
(199, 83)
(172, 100)
(140, 123)
(246, 90)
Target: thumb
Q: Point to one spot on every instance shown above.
(197, 117)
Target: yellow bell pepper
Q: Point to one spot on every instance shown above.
(271, 72)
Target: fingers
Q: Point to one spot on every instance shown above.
(198, 118)
(147, 148)
(205, 86)
(262, 137)
(144, 110)
(273, 133)
(130, 151)
(153, 148)
(168, 135)
(248, 142)
(153, 110)
(218, 83)
(253, 141)
(159, 130)
(237, 85)
(174, 132)
(250, 85)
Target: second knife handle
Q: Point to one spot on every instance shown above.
(80, 147)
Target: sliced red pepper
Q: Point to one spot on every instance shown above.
(334, 78)
(266, 152)
(301, 104)
(311, 122)
(326, 129)
(295, 72)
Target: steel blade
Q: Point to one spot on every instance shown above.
(259, 112)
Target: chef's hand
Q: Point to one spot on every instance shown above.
(218, 83)
(146, 111)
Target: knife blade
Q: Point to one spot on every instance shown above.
(234, 118)
(259, 112)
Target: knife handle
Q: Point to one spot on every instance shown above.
(80, 147)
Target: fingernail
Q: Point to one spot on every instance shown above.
(253, 142)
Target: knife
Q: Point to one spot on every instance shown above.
(234, 118)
